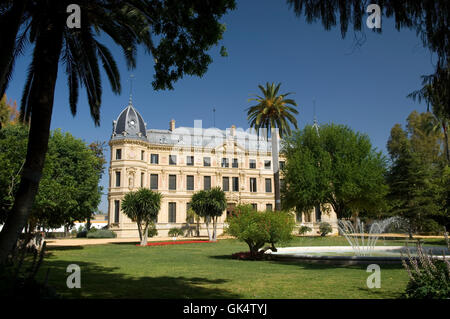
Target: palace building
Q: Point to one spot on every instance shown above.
(179, 161)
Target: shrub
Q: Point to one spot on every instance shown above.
(257, 228)
(101, 233)
(429, 278)
(304, 229)
(325, 228)
(152, 231)
(175, 232)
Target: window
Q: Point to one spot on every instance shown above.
(298, 217)
(206, 183)
(253, 184)
(226, 184)
(172, 212)
(190, 160)
(268, 185)
(142, 155)
(116, 210)
(267, 164)
(281, 164)
(154, 181)
(154, 159)
(252, 163)
(235, 163)
(142, 179)
(190, 182)
(206, 161)
(172, 160)
(225, 162)
(235, 184)
(117, 179)
(172, 182)
(118, 154)
(269, 207)
(318, 213)
(255, 206)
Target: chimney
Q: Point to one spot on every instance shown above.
(233, 130)
(172, 125)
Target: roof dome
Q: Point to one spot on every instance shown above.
(130, 123)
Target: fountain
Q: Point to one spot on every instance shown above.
(355, 235)
(362, 247)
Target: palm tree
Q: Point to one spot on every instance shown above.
(435, 92)
(209, 204)
(273, 112)
(43, 24)
(142, 207)
(185, 31)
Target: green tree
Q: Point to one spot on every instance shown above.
(183, 32)
(257, 228)
(414, 176)
(69, 187)
(69, 190)
(209, 204)
(142, 207)
(333, 166)
(273, 112)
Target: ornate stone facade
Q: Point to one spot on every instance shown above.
(180, 161)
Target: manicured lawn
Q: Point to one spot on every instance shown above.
(206, 270)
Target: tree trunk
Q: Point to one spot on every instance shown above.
(207, 227)
(214, 236)
(45, 59)
(447, 152)
(144, 239)
(276, 169)
(9, 24)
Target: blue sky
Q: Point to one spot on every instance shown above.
(364, 88)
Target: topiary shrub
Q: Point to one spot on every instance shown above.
(175, 232)
(304, 229)
(101, 233)
(325, 228)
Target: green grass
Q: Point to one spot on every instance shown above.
(206, 270)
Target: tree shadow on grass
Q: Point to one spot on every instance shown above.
(110, 283)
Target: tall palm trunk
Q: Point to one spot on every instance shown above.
(447, 152)
(276, 169)
(9, 24)
(45, 62)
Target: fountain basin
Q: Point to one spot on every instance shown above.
(345, 255)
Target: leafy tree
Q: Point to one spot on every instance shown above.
(8, 112)
(257, 228)
(142, 207)
(273, 112)
(69, 188)
(210, 205)
(414, 184)
(333, 166)
(183, 32)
